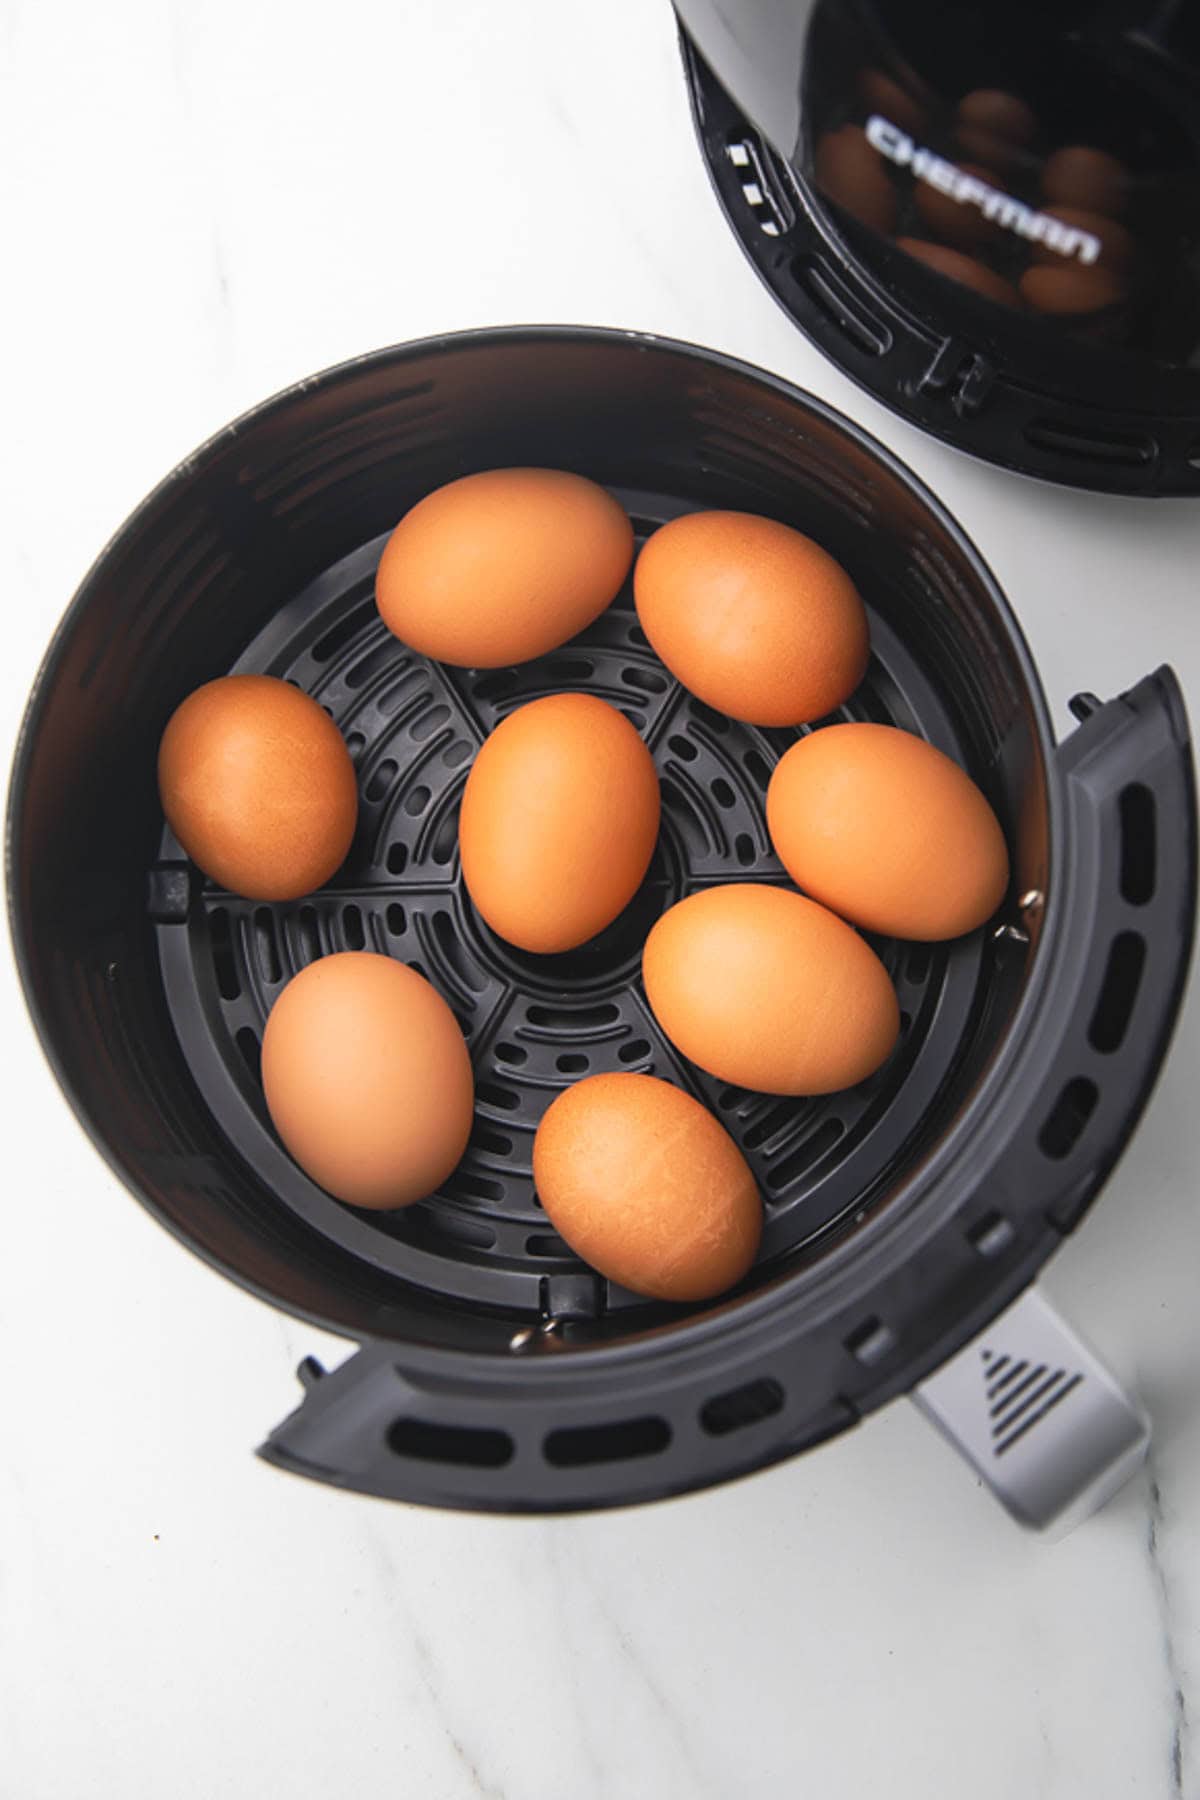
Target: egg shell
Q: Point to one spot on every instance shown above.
(367, 1079)
(1072, 289)
(1116, 242)
(888, 831)
(756, 619)
(258, 786)
(882, 93)
(966, 270)
(1080, 175)
(559, 821)
(851, 172)
(768, 990)
(645, 1185)
(502, 566)
(957, 221)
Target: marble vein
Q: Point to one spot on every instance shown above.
(1177, 1751)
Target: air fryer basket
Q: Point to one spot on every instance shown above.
(497, 1371)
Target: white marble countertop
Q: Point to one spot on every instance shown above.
(202, 203)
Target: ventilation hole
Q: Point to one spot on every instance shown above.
(470, 1446)
(577, 1018)
(636, 719)
(871, 1342)
(456, 753)
(770, 1125)
(455, 954)
(917, 966)
(577, 1446)
(743, 849)
(715, 721)
(397, 924)
(1138, 843)
(397, 859)
(479, 1187)
(756, 768)
(728, 1098)
(339, 635)
(492, 1095)
(495, 686)
(416, 800)
(814, 1147)
(741, 1406)
(397, 693)
(638, 636)
(991, 1235)
(1068, 1116)
(905, 1023)
(461, 1231)
(723, 794)
(683, 748)
(445, 838)
(512, 1054)
(352, 928)
(483, 1137)
(428, 722)
(382, 779)
(355, 744)
(546, 1243)
(380, 658)
(308, 932)
(648, 680)
(1122, 977)
(1131, 450)
(221, 943)
(842, 306)
(634, 1051)
(248, 1044)
(570, 1065)
(570, 668)
(265, 945)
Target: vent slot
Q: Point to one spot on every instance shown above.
(577, 1018)
(1068, 1116)
(220, 937)
(353, 929)
(580, 1446)
(470, 1446)
(742, 1406)
(1139, 843)
(382, 779)
(1118, 992)
(831, 296)
(1118, 449)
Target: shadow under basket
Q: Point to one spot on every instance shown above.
(496, 1371)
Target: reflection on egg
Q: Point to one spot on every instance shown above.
(881, 93)
(1116, 243)
(995, 127)
(768, 990)
(367, 1079)
(888, 831)
(955, 220)
(963, 269)
(1071, 289)
(753, 617)
(849, 171)
(1082, 176)
(559, 821)
(502, 566)
(644, 1184)
(257, 784)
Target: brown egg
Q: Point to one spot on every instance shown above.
(1072, 289)
(1116, 243)
(957, 221)
(767, 990)
(851, 172)
(644, 1184)
(257, 784)
(881, 93)
(1091, 179)
(963, 269)
(753, 617)
(367, 1079)
(502, 566)
(559, 821)
(888, 831)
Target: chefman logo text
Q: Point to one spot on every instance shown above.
(1012, 214)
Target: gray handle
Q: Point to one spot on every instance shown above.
(1038, 1416)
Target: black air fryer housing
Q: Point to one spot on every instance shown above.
(496, 1371)
(1107, 397)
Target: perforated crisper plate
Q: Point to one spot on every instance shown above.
(535, 1024)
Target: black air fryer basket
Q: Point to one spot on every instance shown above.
(497, 1371)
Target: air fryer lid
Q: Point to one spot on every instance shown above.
(1021, 277)
(496, 1370)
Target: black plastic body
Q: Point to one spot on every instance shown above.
(1108, 401)
(497, 1372)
